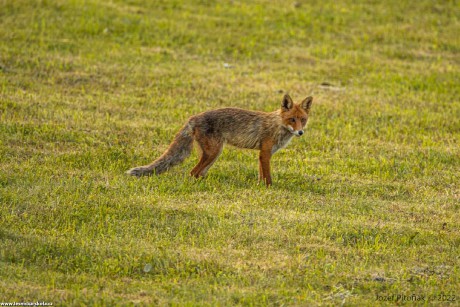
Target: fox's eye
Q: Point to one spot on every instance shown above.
(304, 120)
(292, 120)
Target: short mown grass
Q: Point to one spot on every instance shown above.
(365, 204)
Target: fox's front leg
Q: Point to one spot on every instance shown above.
(264, 163)
(261, 172)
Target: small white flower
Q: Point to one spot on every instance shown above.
(147, 268)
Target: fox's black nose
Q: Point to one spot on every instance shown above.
(300, 132)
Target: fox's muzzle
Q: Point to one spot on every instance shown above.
(297, 132)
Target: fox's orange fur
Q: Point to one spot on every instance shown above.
(267, 132)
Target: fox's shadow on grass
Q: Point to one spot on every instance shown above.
(309, 184)
(246, 178)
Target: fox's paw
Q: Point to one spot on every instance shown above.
(137, 171)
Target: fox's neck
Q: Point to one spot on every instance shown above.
(282, 135)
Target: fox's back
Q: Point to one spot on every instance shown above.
(238, 127)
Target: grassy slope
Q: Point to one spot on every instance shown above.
(366, 203)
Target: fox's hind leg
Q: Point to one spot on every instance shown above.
(210, 151)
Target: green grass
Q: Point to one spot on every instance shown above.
(366, 203)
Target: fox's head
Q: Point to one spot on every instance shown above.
(295, 116)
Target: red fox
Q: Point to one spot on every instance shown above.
(267, 132)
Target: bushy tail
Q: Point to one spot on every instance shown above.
(178, 151)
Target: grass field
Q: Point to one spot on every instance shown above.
(364, 206)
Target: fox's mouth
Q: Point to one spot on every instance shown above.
(297, 133)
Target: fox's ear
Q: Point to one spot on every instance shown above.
(306, 104)
(287, 103)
